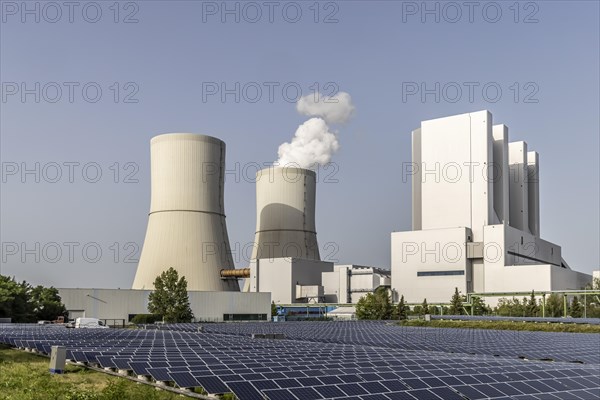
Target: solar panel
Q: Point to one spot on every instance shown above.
(212, 384)
(306, 393)
(159, 374)
(139, 368)
(329, 391)
(279, 394)
(446, 393)
(374, 387)
(184, 379)
(352, 389)
(245, 391)
(400, 396)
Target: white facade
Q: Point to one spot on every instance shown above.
(475, 216)
(349, 283)
(121, 304)
(285, 214)
(186, 225)
(289, 280)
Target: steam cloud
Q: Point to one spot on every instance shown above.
(314, 143)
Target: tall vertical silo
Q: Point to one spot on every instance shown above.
(186, 224)
(285, 214)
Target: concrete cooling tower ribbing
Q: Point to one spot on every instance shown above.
(186, 225)
(285, 214)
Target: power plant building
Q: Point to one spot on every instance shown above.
(475, 216)
(349, 283)
(118, 306)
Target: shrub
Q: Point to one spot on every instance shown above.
(146, 318)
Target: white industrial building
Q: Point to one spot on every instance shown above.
(289, 280)
(349, 283)
(475, 216)
(114, 305)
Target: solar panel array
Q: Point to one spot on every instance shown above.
(258, 369)
(557, 346)
(569, 320)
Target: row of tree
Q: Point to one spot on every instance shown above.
(23, 302)
(378, 305)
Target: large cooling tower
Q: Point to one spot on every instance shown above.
(186, 224)
(285, 214)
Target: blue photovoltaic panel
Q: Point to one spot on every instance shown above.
(279, 394)
(212, 384)
(329, 391)
(306, 393)
(184, 379)
(121, 363)
(245, 391)
(139, 368)
(159, 374)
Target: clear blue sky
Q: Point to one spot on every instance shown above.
(176, 46)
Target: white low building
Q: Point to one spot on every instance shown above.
(475, 216)
(349, 283)
(289, 280)
(114, 305)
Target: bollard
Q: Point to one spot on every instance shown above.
(57, 359)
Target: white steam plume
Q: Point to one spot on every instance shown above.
(334, 110)
(313, 142)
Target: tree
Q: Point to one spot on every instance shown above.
(23, 303)
(273, 309)
(532, 308)
(47, 303)
(15, 300)
(456, 304)
(402, 309)
(576, 309)
(375, 305)
(479, 306)
(170, 298)
(554, 305)
(424, 307)
(384, 302)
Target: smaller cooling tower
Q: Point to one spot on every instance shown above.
(186, 224)
(285, 214)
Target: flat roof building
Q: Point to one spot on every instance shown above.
(475, 216)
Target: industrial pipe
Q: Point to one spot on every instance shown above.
(235, 273)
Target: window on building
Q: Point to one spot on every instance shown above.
(440, 273)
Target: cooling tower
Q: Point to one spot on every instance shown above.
(186, 225)
(285, 214)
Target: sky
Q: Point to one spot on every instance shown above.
(85, 87)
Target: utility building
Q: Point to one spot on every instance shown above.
(475, 216)
(349, 283)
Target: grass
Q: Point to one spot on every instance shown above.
(505, 325)
(25, 376)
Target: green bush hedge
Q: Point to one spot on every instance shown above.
(146, 318)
